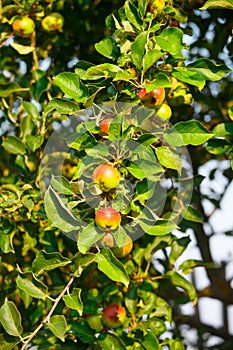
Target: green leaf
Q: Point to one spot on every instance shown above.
(168, 158)
(217, 4)
(105, 70)
(111, 267)
(83, 331)
(62, 106)
(218, 146)
(150, 342)
(31, 285)
(106, 47)
(14, 145)
(142, 169)
(132, 15)
(150, 58)
(70, 84)
(191, 132)
(58, 326)
(10, 318)
(87, 237)
(158, 228)
(48, 261)
(131, 300)
(199, 71)
(161, 80)
(230, 112)
(34, 141)
(57, 212)
(138, 49)
(192, 214)
(188, 265)
(170, 40)
(223, 129)
(73, 300)
(31, 109)
(22, 49)
(61, 184)
(79, 261)
(179, 281)
(177, 248)
(8, 89)
(7, 342)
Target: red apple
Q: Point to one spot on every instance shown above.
(106, 176)
(104, 125)
(121, 252)
(114, 316)
(23, 26)
(159, 96)
(108, 218)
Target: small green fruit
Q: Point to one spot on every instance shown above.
(121, 252)
(164, 112)
(23, 26)
(95, 322)
(53, 22)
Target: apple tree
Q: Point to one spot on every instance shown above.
(107, 115)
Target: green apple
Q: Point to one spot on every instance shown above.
(164, 112)
(95, 322)
(53, 22)
(121, 252)
(23, 26)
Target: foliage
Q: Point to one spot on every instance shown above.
(54, 271)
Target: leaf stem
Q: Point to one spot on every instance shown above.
(47, 318)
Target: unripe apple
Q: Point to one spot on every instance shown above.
(107, 240)
(104, 125)
(108, 218)
(95, 322)
(106, 176)
(156, 6)
(23, 26)
(121, 252)
(53, 22)
(114, 316)
(164, 112)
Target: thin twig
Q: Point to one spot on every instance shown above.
(47, 318)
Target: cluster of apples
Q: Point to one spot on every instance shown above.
(107, 177)
(113, 317)
(155, 99)
(24, 26)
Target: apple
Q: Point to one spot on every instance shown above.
(106, 176)
(23, 26)
(107, 240)
(53, 22)
(164, 112)
(153, 98)
(108, 218)
(156, 6)
(159, 95)
(104, 125)
(95, 322)
(113, 316)
(121, 252)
